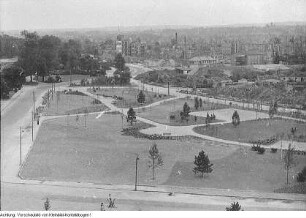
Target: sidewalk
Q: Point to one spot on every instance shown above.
(172, 189)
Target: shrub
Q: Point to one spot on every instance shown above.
(273, 150)
(255, 147)
(96, 101)
(172, 117)
(50, 79)
(234, 207)
(304, 171)
(261, 150)
(300, 177)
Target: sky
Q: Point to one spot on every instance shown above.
(59, 14)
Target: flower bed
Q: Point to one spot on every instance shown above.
(268, 141)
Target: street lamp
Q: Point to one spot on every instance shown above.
(20, 150)
(136, 174)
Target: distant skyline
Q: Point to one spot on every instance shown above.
(61, 14)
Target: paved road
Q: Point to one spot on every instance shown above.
(20, 194)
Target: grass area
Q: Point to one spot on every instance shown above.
(75, 153)
(73, 104)
(129, 96)
(243, 169)
(162, 112)
(253, 130)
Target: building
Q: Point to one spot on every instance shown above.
(239, 60)
(255, 58)
(182, 70)
(126, 47)
(119, 46)
(203, 61)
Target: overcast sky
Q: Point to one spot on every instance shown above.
(42, 14)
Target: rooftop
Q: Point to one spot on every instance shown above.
(202, 58)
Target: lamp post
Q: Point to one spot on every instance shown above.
(136, 174)
(20, 154)
(32, 124)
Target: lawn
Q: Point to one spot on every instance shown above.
(161, 113)
(65, 150)
(243, 169)
(72, 104)
(129, 96)
(253, 130)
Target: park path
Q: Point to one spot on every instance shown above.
(161, 129)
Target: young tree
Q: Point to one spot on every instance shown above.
(289, 160)
(185, 113)
(131, 116)
(207, 120)
(234, 207)
(111, 201)
(196, 103)
(201, 103)
(47, 205)
(156, 158)
(141, 97)
(273, 109)
(202, 164)
(235, 119)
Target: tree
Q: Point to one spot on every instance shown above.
(234, 207)
(29, 54)
(202, 164)
(122, 77)
(196, 103)
(156, 158)
(289, 160)
(185, 113)
(48, 56)
(235, 119)
(201, 103)
(70, 53)
(273, 109)
(119, 62)
(141, 97)
(11, 79)
(4, 90)
(89, 64)
(131, 116)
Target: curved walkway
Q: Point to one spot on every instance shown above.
(161, 129)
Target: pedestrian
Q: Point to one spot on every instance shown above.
(102, 207)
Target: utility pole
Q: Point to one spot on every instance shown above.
(34, 100)
(20, 146)
(70, 77)
(168, 88)
(122, 117)
(32, 124)
(136, 174)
